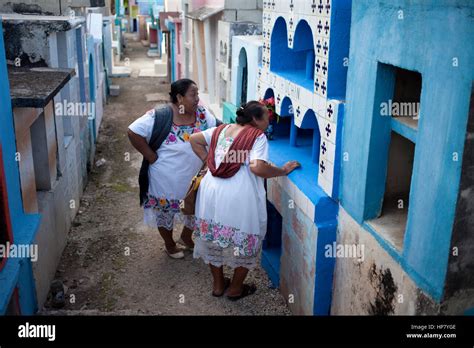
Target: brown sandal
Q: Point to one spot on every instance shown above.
(226, 285)
(246, 291)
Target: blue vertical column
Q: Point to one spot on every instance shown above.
(293, 132)
(26, 289)
(80, 60)
(316, 145)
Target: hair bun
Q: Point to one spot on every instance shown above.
(240, 112)
(250, 111)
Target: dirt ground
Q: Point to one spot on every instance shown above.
(113, 263)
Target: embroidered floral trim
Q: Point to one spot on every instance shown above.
(183, 133)
(226, 236)
(162, 203)
(161, 218)
(223, 144)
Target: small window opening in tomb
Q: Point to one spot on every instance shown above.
(405, 105)
(297, 63)
(242, 77)
(304, 139)
(392, 221)
(282, 128)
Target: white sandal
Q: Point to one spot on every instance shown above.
(185, 246)
(178, 255)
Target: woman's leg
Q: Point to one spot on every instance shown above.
(236, 286)
(167, 236)
(218, 286)
(186, 236)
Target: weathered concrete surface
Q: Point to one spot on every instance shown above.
(26, 37)
(95, 265)
(47, 7)
(35, 87)
(377, 285)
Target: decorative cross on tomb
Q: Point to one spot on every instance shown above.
(313, 6)
(329, 111)
(320, 6)
(316, 84)
(278, 99)
(328, 7)
(323, 87)
(298, 111)
(291, 23)
(320, 27)
(318, 45)
(292, 5)
(328, 130)
(326, 28)
(325, 68)
(273, 4)
(322, 166)
(323, 146)
(290, 40)
(325, 48)
(318, 65)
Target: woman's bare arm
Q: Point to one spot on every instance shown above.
(199, 146)
(142, 146)
(264, 170)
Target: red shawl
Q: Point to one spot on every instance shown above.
(243, 141)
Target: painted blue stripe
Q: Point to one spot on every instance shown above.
(26, 287)
(324, 270)
(404, 130)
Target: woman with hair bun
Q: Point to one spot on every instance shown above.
(231, 216)
(162, 137)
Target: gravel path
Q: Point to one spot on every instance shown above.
(112, 263)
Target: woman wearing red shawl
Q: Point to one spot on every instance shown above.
(231, 215)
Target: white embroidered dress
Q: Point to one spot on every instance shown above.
(231, 215)
(171, 174)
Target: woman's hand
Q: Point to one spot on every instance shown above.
(290, 166)
(265, 170)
